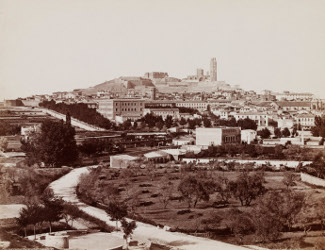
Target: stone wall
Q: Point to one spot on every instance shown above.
(312, 180)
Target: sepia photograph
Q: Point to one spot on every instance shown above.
(162, 124)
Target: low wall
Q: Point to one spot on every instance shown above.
(275, 163)
(312, 180)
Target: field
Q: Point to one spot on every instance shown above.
(142, 190)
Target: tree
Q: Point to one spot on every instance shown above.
(191, 124)
(289, 179)
(24, 219)
(55, 145)
(92, 147)
(247, 124)
(275, 211)
(247, 187)
(286, 132)
(318, 165)
(128, 228)
(192, 189)
(117, 211)
(52, 211)
(30, 215)
(8, 128)
(135, 125)
(68, 118)
(3, 144)
(278, 152)
(319, 128)
(267, 225)
(127, 124)
(70, 213)
(133, 198)
(239, 223)
(159, 125)
(277, 132)
(223, 189)
(169, 121)
(264, 133)
(207, 122)
(182, 121)
(166, 190)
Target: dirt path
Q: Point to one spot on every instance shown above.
(65, 187)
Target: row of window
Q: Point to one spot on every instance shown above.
(230, 139)
(305, 119)
(130, 103)
(129, 109)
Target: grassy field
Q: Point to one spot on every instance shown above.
(203, 210)
(147, 184)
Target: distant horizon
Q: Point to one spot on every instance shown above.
(71, 90)
(58, 45)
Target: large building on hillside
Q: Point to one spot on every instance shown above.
(260, 118)
(163, 112)
(217, 136)
(126, 108)
(155, 75)
(305, 121)
(290, 96)
(293, 105)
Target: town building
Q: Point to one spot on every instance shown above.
(290, 96)
(163, 112)
(217, 136)
(248, 135)
(155, 75)
(285, 123)
(305, 121)
(127, 108)
(199, 105)
(261, 119)
(293, 105)
(122, 161)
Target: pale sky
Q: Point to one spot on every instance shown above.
(61, 45)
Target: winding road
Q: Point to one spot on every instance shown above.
(65, 187)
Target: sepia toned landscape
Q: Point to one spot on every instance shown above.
(162, 125)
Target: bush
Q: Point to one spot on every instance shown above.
(145, 185)
(176, 198)
(146, 203)
(184, 211)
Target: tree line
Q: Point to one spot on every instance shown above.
(7, 128)
(79, 111)
(288, 152)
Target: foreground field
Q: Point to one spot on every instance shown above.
(143, 191)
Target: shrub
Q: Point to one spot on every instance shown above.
(146, 203)
(145, 185)
(175, 198)
(184, 211)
